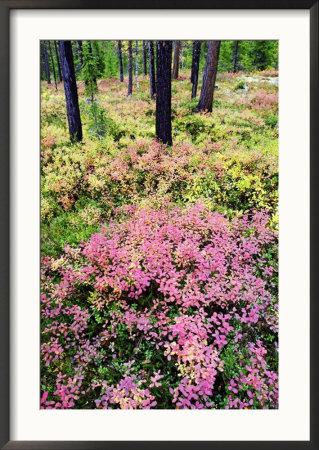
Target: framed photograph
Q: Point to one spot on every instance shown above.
(158, 225)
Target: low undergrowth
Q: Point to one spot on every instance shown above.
(159, 264)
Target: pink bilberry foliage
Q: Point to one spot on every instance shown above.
(168, 308)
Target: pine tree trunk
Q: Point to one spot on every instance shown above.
(195, 66)
(58, 61)
(42, 62)
(207, 93)
(136, 65)
(144, 58)
(235, 57)
(151, 64)
(52, 62)
(46, 60)
(176, 60)
(120, 60)
(70, 89)
(163, 92)
(130, 68)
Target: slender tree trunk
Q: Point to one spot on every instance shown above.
(58, 61)
(46, 60)
(120, 60)
(144, 58)
(163, 92)
(207, 93)
(136, 65)
(70, 89)
(42, 62)
(52, 62)
(151, 64)
(195, 66)
(235, 57)
(176, 60)
(130, 68)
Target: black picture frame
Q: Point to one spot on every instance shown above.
(5, 7)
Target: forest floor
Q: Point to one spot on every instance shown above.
(240, 133)
(159, 264)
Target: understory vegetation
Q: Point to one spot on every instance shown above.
(159, 280)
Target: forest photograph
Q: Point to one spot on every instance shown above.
(159, 225)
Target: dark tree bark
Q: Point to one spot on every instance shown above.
(151, 64)
(235, 57)
(119, 43)
(70, 89)
(52, 62)
(207, 93)
(46, 61)
(176, 59)
(136, 65)
(195, 66)
(130, 68)
(163, 92)
(144, 58)
(58, 61)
